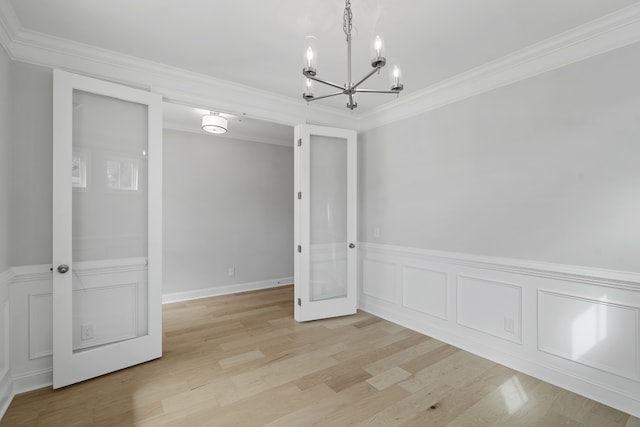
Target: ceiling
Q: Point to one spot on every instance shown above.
(260, 44)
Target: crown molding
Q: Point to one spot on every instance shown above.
(604, 34)
(8, 26)
(173, 83)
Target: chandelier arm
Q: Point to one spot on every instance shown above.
(376, 91)
(348, 88)
(362, 80)
(328, 83)
(315, 98)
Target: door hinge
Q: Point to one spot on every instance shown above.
(299, 249)
(299, 195)
(299, 142)
(299, 302)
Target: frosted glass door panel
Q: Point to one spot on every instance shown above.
(328, 218)
(109, 218)
(110, 194)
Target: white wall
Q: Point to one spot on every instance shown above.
(5, 225)
(5, 160)
(32, 151)
(249, 185)
(545, 169)
(227, 204)
(474, 216)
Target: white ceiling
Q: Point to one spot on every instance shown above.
(260, 43)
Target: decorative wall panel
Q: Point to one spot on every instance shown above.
(425, 290)
(591, 332)
(491, 307)
(379, 280)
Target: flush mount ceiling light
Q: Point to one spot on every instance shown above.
(214, 123)
(350, 89)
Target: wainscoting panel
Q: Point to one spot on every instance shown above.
(500, 311)
(6, 382)
(425, 290)
(379, 280)
(40, 325)
(577, 328)
(594, 333)
(31, 344)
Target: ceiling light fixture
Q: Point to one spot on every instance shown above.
(214, 123)
(350, 89)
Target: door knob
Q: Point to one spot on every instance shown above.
(63, 268)
(351, 245)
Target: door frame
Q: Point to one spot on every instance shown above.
(70, 367)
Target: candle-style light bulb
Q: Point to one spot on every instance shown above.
(308, 91)
(309, 56)
(377, 44)
(377, 60)
(309, 60)
(394, 76)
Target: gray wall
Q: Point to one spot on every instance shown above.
(5, 161)
(32, 151)
(231, 199)
(545, 169)
(226, 203)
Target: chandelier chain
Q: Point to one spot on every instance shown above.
(347, 19)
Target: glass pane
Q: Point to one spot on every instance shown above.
(109, 186)
(328, 218)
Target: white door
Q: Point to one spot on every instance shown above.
(325, 222)
(107, 225)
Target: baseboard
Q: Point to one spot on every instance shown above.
(513, 312)
(6, 394)
(33, 380)
(6, 383)
(225, 290)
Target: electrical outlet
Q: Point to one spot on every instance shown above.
(376, 232)
(86, 332)
(232, 271)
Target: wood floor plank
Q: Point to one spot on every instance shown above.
(241, 360)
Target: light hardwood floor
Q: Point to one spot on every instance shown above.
(241, 360)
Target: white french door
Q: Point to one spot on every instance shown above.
(107, 227)
(325, 222)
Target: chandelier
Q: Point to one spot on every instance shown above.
(350, 89)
